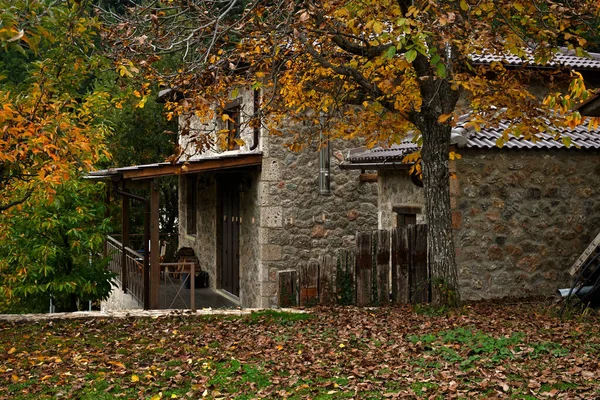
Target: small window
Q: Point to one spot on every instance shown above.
(233, 111)
(406, 215)
(192, 201)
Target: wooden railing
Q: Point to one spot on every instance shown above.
(133, 281)
(113, 250)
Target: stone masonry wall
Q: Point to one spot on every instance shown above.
(298, 224)
(204, 242)
(249, 249)
(396, 189)
(522, 218)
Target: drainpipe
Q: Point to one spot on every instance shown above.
(146, 202)
(256, 115)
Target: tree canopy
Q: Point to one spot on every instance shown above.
(50, 109)
(377, 70)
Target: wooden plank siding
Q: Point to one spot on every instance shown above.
(385, 267)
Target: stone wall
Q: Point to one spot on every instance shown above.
(298, 224)
(397, 190)
(204, 242)
(522, 218)
(249, 248)
(119, 301)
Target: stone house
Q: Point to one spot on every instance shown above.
(522, 214)
(254, 209)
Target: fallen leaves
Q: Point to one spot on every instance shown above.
(335, 353)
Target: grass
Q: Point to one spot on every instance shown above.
(481, 351)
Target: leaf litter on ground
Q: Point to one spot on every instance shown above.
(484, 350)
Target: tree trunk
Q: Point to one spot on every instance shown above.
(440, 240)
(438, 99)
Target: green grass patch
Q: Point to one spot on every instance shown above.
(278, 317)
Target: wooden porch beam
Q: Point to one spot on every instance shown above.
(154, 244)
(124, 239)
(193, 167)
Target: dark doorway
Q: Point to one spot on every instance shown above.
(229, 217)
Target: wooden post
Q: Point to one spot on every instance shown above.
(193, 287)
(400, 266)
(124, 239)
(287, 294)
(364, 268)
(154, 245)
(309, 284)
(327, 281)
(419, 272)
(383, 267)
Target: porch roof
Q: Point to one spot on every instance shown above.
(192, 166)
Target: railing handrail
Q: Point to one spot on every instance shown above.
(141, 235)
(133, 252)
(113, 240)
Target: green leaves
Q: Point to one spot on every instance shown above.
(410, 55)
(46, 249)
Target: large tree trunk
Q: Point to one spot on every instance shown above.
(440, 241)
(438, 99)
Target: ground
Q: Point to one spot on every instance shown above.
(486, 350)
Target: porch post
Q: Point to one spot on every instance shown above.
(124, 239)
(154, 245)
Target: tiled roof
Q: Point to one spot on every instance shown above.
(379, 155)
(566, 58)
(581, 137)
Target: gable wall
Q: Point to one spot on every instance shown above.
(297, 223)
(522, 218)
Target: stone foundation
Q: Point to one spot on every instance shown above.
(119, 301)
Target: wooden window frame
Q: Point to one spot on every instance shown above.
(406, 215)
(233, 124)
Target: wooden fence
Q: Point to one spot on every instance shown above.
(385, 267)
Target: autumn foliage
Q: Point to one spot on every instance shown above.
(49, 116)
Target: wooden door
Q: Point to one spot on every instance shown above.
(229, 272)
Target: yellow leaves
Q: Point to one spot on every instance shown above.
(342, 345)
(279, 347)
(464, 5)
(117, 364)
(377, 27)
(135, 378)
(11, 351)
(142, 102)
(14, 378)
(454, 156)
(126, 68)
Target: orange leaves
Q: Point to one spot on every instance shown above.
(444, 117)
